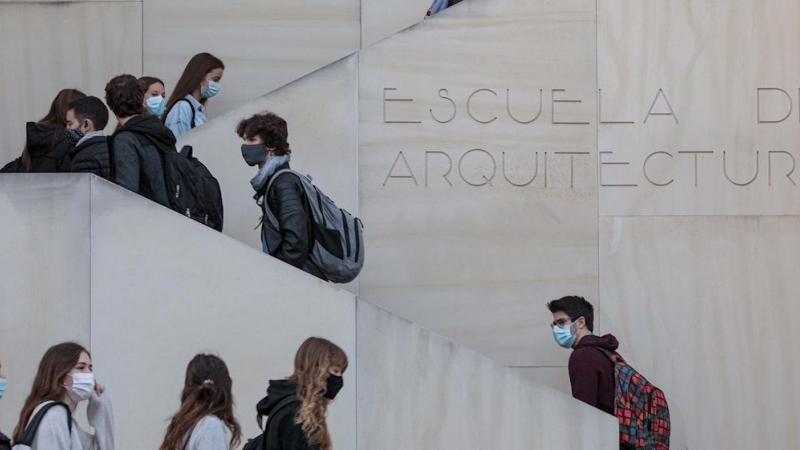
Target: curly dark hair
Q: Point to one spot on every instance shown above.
(123, 96)
(269, 127)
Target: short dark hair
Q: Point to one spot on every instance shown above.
(91, 108)
(574, 307)
(124, 96)
(269, 127)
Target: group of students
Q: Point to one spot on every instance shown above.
(70, 138)
(74, 116)
(296, 407)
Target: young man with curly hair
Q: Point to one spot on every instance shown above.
(266, 146)
(137, 142)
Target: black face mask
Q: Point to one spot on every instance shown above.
(254, 153)
(73, 135)
(334, 385)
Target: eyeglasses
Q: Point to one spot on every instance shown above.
(563, 321)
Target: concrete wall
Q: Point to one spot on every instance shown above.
(146, 289)
(157, 288)
(472, 226)
(45, 289)
(321, 111)
(264, 44)
(183, 288)
(49, 46)
(658, 82)
(416, 389)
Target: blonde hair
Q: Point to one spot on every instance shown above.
(311, 371)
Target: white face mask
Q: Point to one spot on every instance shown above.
(82, 386)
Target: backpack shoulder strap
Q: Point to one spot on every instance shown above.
(281, 172)
(282, 404)
(111, 160)
(190, 107)
(615, 357)
(268, 212)
(33, 426)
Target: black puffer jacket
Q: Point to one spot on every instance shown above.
(48, 148)
(283, 433)
(293, 241)
(92, 156)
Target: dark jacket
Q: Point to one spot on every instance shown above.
(5, 442)
(48, 148)
(283, 433)
(137, 161)
(92, 156)
(591, 373)
(293, 241)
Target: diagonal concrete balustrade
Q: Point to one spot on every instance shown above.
(146, 288)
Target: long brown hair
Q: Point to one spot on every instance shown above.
(48, 385)
(194, 73)
(311, 371)
(56, 117)
(206, 391)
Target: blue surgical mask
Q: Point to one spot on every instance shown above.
(3, 387)
(211, 90)
(564, 336)
(156, 105)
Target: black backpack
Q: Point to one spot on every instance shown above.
(191, 189)
(5, 442)
(33, 426)
(12, 167)
(260, 442)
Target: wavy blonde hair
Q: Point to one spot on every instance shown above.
(311, 371)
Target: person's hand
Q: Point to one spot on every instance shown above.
(99, 389)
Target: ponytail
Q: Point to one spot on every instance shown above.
(207, 391)
(194, 406)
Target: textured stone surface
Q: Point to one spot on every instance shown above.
(698, 304)
(44, 275)
(264, 44)
(419, 390)
(51, 46)
(173, 288)
(704, 61)
(476, 255)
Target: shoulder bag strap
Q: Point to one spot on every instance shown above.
(30, 430)
(190, 106)
(615, 357)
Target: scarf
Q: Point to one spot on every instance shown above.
(260, 180)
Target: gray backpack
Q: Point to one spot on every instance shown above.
(338, 249)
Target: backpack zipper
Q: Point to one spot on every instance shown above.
(319, 204)
(358, 241)
(346, 232)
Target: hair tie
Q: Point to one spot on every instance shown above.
(208, 383)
